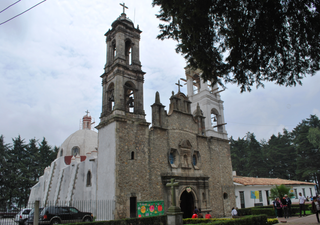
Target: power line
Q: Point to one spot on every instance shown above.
(10, 6)
(22, 12)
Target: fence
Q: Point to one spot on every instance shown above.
(100, 209)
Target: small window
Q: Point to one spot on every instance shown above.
(172, 157)
(194, 160)
(75, 151)
(132, 155)
(304, 192)
(260, 196)
(296, 193)
(89, 178)
(61, 152)
(311, 192)
(225, 195)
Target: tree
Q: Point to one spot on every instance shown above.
(281, 156)
(314, 136)
(247, 156)
(280, 192)
(4, 148)
(245, 42)
(308, 156)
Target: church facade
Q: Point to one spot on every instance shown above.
(136, 159)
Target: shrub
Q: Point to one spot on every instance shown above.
(258, 219)
(272, 221)
(154, 220)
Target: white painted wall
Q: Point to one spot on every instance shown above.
(263, 188)
(106, 180)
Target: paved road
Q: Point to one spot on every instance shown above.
(311, 219)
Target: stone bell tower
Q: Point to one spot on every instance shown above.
(123, 78)
(123, 130)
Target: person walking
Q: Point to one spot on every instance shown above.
(316, 207)
(288, 205)
(302, 201)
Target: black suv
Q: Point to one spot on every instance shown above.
(63, 214)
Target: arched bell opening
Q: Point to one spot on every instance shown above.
(110, 97)
(128, 51)
(129, 94)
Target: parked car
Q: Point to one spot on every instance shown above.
(29, 221)
(22, 216)
(63, 214)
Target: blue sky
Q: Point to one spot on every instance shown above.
(51, 59)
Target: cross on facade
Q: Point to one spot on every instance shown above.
(124, 6)
(173, 193)
(87, 112)
(179, 85)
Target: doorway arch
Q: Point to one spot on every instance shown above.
(187, 204)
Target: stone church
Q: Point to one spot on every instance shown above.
(131, 160)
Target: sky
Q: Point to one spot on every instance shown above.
(52, 56)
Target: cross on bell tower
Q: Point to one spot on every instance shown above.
(124, 6)
(123, 78)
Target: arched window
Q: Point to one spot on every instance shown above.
(61, 152)
(194, 160)
(129, 97)
(214, 119)
(114, 49)
(196, 84)
(128, 52)
(110, 97)
(75, 151)
(89, 176)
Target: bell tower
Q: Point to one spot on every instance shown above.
(122, 80)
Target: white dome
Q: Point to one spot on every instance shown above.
(85, 141)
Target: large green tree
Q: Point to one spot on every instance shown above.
(246, 42)
(308, 155)
(21, 165)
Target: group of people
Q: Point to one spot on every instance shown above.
(282, 207)
(197, 214)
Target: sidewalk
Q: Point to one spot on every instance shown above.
(311, 219)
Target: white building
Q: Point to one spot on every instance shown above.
(245, 185)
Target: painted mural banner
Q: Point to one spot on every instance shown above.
(254, 195)
(150, 208)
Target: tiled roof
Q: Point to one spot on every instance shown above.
(267, 181)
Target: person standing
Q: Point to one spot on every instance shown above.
(276, 206)
(285, 207)
(302, 201)
(288, 205)
(316, 207)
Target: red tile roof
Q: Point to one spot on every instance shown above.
(267, 181)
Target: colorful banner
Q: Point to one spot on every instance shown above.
(254, 194)
(152, 208)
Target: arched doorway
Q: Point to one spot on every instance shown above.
(187, 204)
